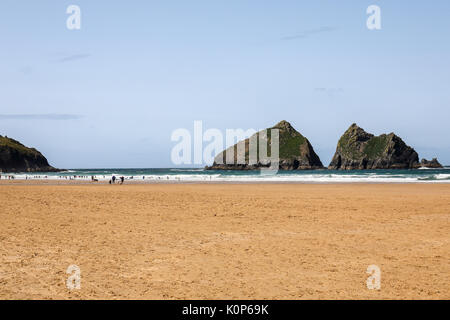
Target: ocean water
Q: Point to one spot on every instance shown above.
(201, 175)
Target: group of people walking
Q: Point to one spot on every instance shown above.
(113, 180)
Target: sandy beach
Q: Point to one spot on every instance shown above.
(224, 241)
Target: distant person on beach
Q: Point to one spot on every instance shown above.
(113, 179)
(121, 180)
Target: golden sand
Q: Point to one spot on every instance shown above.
(224, 241)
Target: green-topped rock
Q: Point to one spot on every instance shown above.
(15, 157)
(358, 150)
(295, 152)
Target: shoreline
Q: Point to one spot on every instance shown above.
(195, 175)
(54, 182)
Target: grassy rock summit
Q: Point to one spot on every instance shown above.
(295, 152)
(15, 157)
(360, 150)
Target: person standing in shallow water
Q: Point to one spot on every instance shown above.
(122, 179)
(113, 179)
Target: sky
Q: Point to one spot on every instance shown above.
(110, 94)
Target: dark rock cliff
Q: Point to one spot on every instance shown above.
(15, 157)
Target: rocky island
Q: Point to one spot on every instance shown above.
(359, 150)
(433, 164)
(295, 152)
(15, 157)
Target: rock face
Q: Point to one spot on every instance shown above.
(15, 157)
(433, 164)
(295, 152)
(358, 150)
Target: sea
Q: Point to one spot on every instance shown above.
(202, 175)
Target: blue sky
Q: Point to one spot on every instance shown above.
(137, 70)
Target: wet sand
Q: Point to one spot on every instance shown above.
(224, 241)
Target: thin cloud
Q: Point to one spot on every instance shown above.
(48, 116)
(73, 57)
(26, 70)
(331, 92)
(308, 33)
